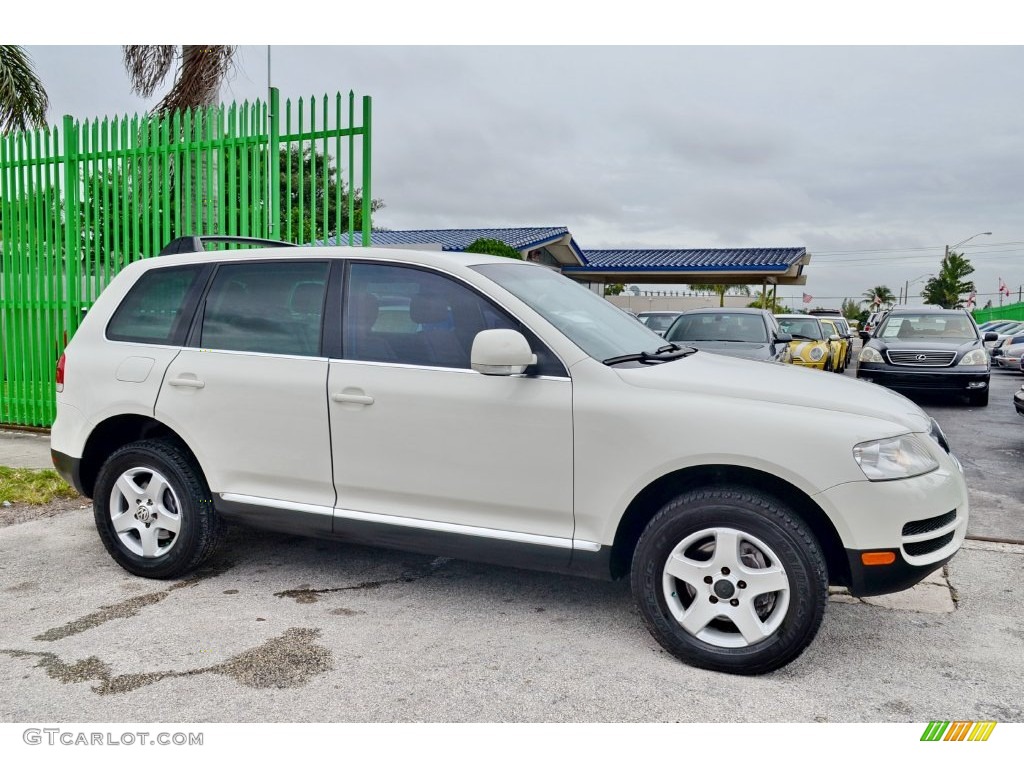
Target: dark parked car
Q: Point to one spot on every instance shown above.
(928, 350)
(750, 333)
(1018, 397)
(658, 321)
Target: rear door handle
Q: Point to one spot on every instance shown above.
(187, 381)
(346, 397)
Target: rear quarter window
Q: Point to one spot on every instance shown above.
(158, 308)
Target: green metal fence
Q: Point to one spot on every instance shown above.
(81, 200)
(1009, 312)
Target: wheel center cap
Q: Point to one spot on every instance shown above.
(143, 515)
(724, 589)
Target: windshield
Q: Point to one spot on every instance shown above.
(594, 324)
(719, 326)
(925, 327)
(803, 327)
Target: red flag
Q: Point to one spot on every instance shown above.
(970, 300)
(1003, 287)
(878, 300)
(807, 298)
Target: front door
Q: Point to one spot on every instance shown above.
(417, 435)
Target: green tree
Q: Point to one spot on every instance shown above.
(946, 287)
(493, 247)
(23, 100)
(613, 289)
(772, 305)
(884, 295)
(308, 224)
(851, 309)
(721, 290)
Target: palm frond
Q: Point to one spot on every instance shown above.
(147, 66)
(201, 71)
(23, 100)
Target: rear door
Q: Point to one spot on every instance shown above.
(249, 392)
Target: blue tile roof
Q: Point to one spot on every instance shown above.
(632, 260)
(692, 260)
(520, 238)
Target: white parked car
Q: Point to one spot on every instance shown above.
(484, 408)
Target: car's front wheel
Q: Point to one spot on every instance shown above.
(154, 511)
(729, 579)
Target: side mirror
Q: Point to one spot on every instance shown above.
(991, 336)
(834, 337)
(783, 338)
(501, 352)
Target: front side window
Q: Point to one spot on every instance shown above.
(268, 307)
(399, 314)
(153, 310)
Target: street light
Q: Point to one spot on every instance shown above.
(951, 247)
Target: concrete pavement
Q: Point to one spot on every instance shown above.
(29, 450)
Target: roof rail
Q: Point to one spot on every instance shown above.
(197, 243)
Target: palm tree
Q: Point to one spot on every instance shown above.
(23, 100)
(200, 72)
(721, 290)
(880, 294)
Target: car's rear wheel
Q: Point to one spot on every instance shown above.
(154, 511)
(729, 579)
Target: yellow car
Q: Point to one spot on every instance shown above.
(810, 347)
(839, 343)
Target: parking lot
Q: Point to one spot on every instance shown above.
(280, 628)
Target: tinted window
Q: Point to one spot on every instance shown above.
(398, 314)
(152, 311)
(271, 307)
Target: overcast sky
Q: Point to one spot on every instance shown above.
(872, 158)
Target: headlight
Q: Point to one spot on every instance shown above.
(975, 357)
(816, 354)
(894, 458)
(870, 355)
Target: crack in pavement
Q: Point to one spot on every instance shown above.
(287, 661)
(131, 607)
(304, 594)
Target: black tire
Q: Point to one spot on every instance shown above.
(200, 529)
(978, 399)
(790, 619)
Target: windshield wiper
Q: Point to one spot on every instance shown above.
(663, 354)
(805, 338)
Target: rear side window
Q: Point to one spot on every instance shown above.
(269, 307)
(153, 311)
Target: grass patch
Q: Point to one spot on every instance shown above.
(33, 486)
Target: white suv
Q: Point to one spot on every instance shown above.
(490, 409)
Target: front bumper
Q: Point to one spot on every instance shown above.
(866, 581)
(908, 379)
(921, 520)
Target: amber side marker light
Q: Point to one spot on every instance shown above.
(878, 558)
